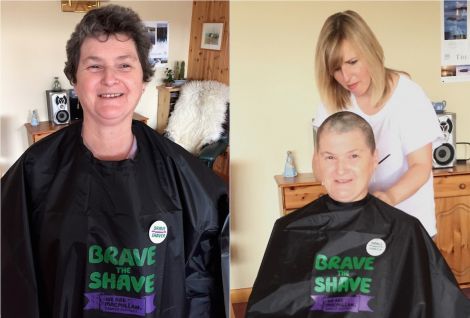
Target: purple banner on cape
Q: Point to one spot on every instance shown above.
(120, 304)
(340, 303)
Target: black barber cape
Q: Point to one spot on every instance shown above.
(134, 238)
(360, 259)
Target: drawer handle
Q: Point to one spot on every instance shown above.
(462, 186)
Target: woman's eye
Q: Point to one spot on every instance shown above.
(125, 66)
(354, 156)
(94, 67)
(352, 62)
(329, 157)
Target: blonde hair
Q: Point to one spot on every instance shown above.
(341, 26)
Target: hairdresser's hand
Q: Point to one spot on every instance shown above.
(384, 196)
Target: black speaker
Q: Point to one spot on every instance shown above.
(58, 107)
(443, 154)
(76, 110)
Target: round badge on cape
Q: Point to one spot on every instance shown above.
(376, 247)
(158, 232)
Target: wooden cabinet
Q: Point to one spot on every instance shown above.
(45, 128)
(296, 192)
(167, 97)
(452, 198)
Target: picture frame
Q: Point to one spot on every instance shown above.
(78, 6)
(211, 37)
(158, 34)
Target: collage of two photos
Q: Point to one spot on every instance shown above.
(235, 159)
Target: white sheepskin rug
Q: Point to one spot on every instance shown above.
(199, 114)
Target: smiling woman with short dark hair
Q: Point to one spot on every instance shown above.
(106, 218)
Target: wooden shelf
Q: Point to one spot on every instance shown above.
(167, 97)
(452, 197)
(295, 192)
(45, 128)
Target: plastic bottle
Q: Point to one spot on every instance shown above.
(289, 169)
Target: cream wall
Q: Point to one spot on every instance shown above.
(274, 98)
(33, 38)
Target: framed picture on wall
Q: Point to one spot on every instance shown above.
(212, 36)
(78, 6)
(157, 32)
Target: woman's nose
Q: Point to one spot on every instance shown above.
(341, 167)
(346, 72)
(109, 76)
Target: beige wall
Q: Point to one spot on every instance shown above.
(33, 38)
(274, 98)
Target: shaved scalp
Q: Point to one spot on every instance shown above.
(343, 122)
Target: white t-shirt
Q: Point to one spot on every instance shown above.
(406, 123)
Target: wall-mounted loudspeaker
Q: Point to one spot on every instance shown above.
(443, 153)
(58, 107)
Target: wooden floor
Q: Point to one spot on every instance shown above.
(239, 310)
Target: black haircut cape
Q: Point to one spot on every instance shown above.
(360, 259)
(141, 237)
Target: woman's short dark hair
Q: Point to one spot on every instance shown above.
(343, 122)
(106, 21)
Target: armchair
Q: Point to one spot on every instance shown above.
(199, 122)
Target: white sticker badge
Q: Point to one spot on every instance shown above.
(376, 247)
(158, 231)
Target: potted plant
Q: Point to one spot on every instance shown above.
(169, 79)
(179, 73)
